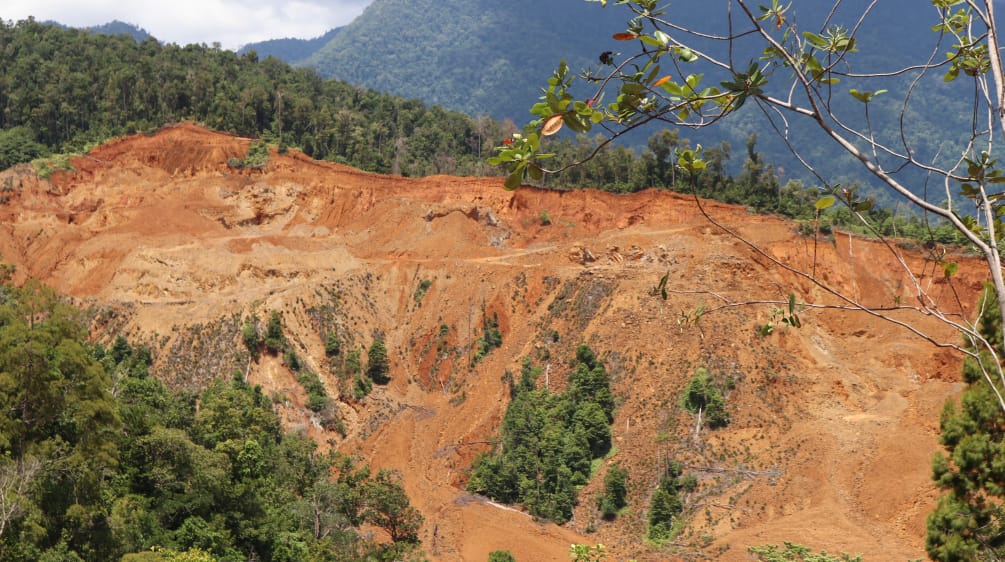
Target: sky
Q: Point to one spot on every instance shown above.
(231, 22)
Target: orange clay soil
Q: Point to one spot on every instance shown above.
(833, 425)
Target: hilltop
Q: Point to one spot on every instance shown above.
(833, 425)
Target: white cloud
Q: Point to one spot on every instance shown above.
(231, 22)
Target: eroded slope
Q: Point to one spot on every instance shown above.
(833, 424)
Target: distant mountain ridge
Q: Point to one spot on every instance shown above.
(491, 58)
(289, 49)
(477, 56)
(114, 27)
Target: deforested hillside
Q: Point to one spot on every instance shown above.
(397, 319)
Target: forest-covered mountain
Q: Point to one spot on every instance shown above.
(289, 49)
(476, 56)
(116, 27)
(493, 58)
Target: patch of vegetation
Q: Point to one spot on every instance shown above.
(790, 552)
(490, 339)
(255, 159)
(377, 365)
(333, 345)
(667, 504)
(420, 291)
(49, 165)
(615, 496)
(275, 340)
(704, 398)
(501, 556)
(250, 337)
(108, 463)
(549, 440)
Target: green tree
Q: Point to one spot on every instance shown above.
(275, 340)
(703, 397)
(88, 474)
(615, 494)
(501, 556)
(250, 337)
(333, 346)
(969, 522)
(387, 507)
(18, 145)
(377, 365)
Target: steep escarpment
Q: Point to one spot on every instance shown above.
(832, 425)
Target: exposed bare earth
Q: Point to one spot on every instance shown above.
(834, 424)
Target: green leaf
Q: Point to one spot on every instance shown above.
(824, 203)
(686, 55)
(514, 180)
(950, 268)
(651, 41)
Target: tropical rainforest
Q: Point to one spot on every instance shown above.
(102, 462)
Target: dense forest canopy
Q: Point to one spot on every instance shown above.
(63, 90)
(100, 461)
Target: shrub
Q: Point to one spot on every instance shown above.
(274, 339)
(377, 366)
(249, 334)
(615, 494)
(666, 503)
(704, 398)
(333, 346)
(361, 386)
(420, 291)
(490, 339)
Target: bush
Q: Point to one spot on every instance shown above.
(377, 366)
(501, 556)
(275, 341)
(249, 334)
(333, 346)
(491, 338)
(704, 397)
(666, 503)
(615, 495)
(420, 291)
(317, 396)
(361, 386)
